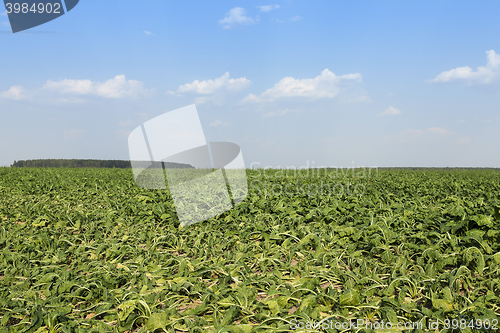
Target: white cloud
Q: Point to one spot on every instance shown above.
(219, 99)
(237, 16)
(295, 18)
(117, 87)
(148, 33)
(325, 85)
(482, 75)
(268, 8)
(390, 111)
(438, 130)
(464, 140)
(362, 98)
(218, 123)
(3, 14)
(15, 92)
(210, 87)
(71, 100)
(200, 100)
(73, 133)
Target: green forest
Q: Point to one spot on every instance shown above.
(79, 163)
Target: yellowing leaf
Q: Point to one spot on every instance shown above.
(442, 304)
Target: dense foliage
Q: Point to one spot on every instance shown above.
(86, 250)
(76, 163)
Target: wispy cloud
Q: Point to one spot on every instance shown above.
(438, 130)
(15, 92)
(295, 18)
(218, 123)
(482, 75)
(148, 33)
(237, 16)
(210, 87)
(3, 14)
(390, 111)
(325, 85)
(267, 8)
(118, 87)
(70, 100)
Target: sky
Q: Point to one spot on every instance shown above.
(293, 83)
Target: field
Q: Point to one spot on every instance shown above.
(86, 250)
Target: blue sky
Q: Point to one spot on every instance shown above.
(340, 83)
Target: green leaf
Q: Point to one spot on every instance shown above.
(496, 258)
(483, 220)
(350, 298)
(157, 320)
(226, 302)
(391, 315)
(240, 328)
(274, 307)
(230, 315)
(125, 309)
(442, 304)
(36, 322)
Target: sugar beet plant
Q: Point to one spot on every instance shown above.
(86, 250)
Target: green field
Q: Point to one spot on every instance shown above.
(86, 250)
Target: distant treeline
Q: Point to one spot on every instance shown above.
(75, 163)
